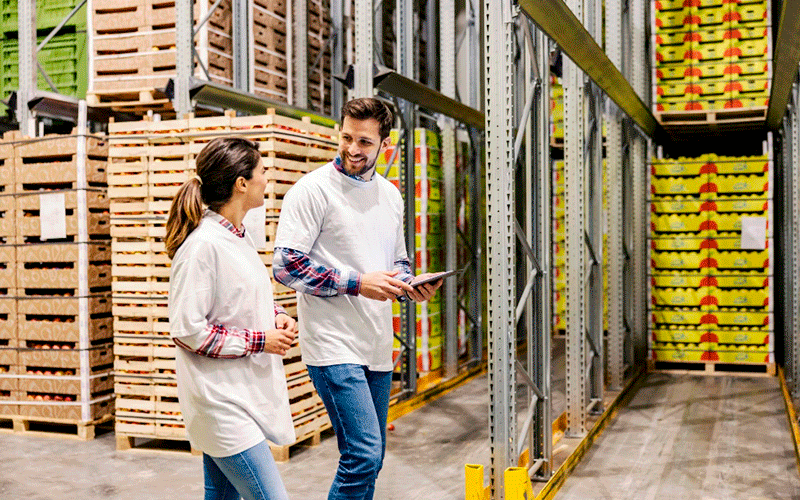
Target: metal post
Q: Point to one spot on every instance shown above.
(433, 52)
(337, 56)
(184, 62)
(447, 39)
(541, 372)
(500, 244)
(615, 219)
(27, 65)
(476, 241)
(639, 199)
(574, 201)
(406, 57)
(364, 49)
(241, 18)
(794, 209)
(300, 51)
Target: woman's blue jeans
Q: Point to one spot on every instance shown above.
(357, 400)
(251, 474)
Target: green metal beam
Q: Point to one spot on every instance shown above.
(787, 57)
(556, 19)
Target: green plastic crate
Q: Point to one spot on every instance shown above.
(64, 58)
(48, 14)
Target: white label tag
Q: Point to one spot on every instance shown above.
(754, 233)
(255, 223)
(53, 216)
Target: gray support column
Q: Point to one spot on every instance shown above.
(27, 65)
(447, 39)
(184, 63)
(574, 201)
(242, 19)
(500, 240)
(300, 51)
(783, 224)
(639, 22)
(337, 56)
(615, 219)
(406, 57)
(794, 172)
(545, 237)
(432, 47)
(364, 49)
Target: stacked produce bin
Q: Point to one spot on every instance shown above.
(711, 260)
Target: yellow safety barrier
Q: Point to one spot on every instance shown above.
(474, 488)
(518, 484)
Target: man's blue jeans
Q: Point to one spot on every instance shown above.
(251, 474)
(357, 400)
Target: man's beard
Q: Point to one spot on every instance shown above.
(363, 170)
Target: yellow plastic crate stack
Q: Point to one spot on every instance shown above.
(711, 55)
(711, 253)
(556, 111)
(429, 240)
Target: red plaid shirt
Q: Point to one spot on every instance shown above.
(214, 338)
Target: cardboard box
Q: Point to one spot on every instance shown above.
(33, 279)
(43, 330)
(97, 224)
(56, 145)
(66, 411)
(96, 198)
(62, 252)
(64, 385)
(101, 355)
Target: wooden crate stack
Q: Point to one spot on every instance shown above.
(132, 47)
(55, 310)
(148, 162)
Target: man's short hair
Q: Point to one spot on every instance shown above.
(365, 108)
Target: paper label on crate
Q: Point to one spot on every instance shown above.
(53, 216)
(255, 221)
(754, 233)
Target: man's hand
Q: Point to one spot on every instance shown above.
(285, 322)
(424, 292)
(382, 286)
(278, 341)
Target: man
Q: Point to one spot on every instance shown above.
(340, 243)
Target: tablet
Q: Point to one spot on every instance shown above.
(434, 278)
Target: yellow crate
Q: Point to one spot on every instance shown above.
(678, 206)
(666, 38)
(742, 165)
(667, 90)
(711, 34)
(708, 70)
(678, 167)
(705, 4)
(669, 5)
(709, 104)
(734, 279)
(679, 335)
(727, 222)
(672, 20)
(678, 280)
(679, 223)
(745, 49)
(737, 335)
(728, 241)
(744, 354)
(749, 102)
(753, 14)
(678, 185)
(677, 317)
(672, 105)
(742, 298)
(728, 318)
(710, 89)
(679, 352)
(750, 32)
(680, 297)
(707, 18)
(682, 244)
(740, 184)
(674, 53)
(752, 87)
(673, 71)
(741, 260)
(708, 52)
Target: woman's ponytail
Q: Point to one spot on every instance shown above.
(185, 214)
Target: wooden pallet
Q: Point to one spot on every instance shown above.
(282, 453)
(711, 116)
(33, 426)
(713, 368)
(154, 444)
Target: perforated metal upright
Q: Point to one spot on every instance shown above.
(639, 146)
(791, 218)
(300, 51)
(27, 65)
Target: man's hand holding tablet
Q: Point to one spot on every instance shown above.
(425, 285)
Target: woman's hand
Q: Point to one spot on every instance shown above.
(278, 341)
(285, 322)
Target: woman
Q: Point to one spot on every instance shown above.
(231, 383)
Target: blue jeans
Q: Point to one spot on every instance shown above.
(357, 400)
(251, 474)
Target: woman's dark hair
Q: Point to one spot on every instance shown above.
(218, 165)
(365, 108)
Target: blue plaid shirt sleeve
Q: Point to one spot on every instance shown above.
(296, 270)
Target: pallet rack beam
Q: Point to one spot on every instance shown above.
(787, 57)
(565, 27)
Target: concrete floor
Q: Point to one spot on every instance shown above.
(693, 437)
